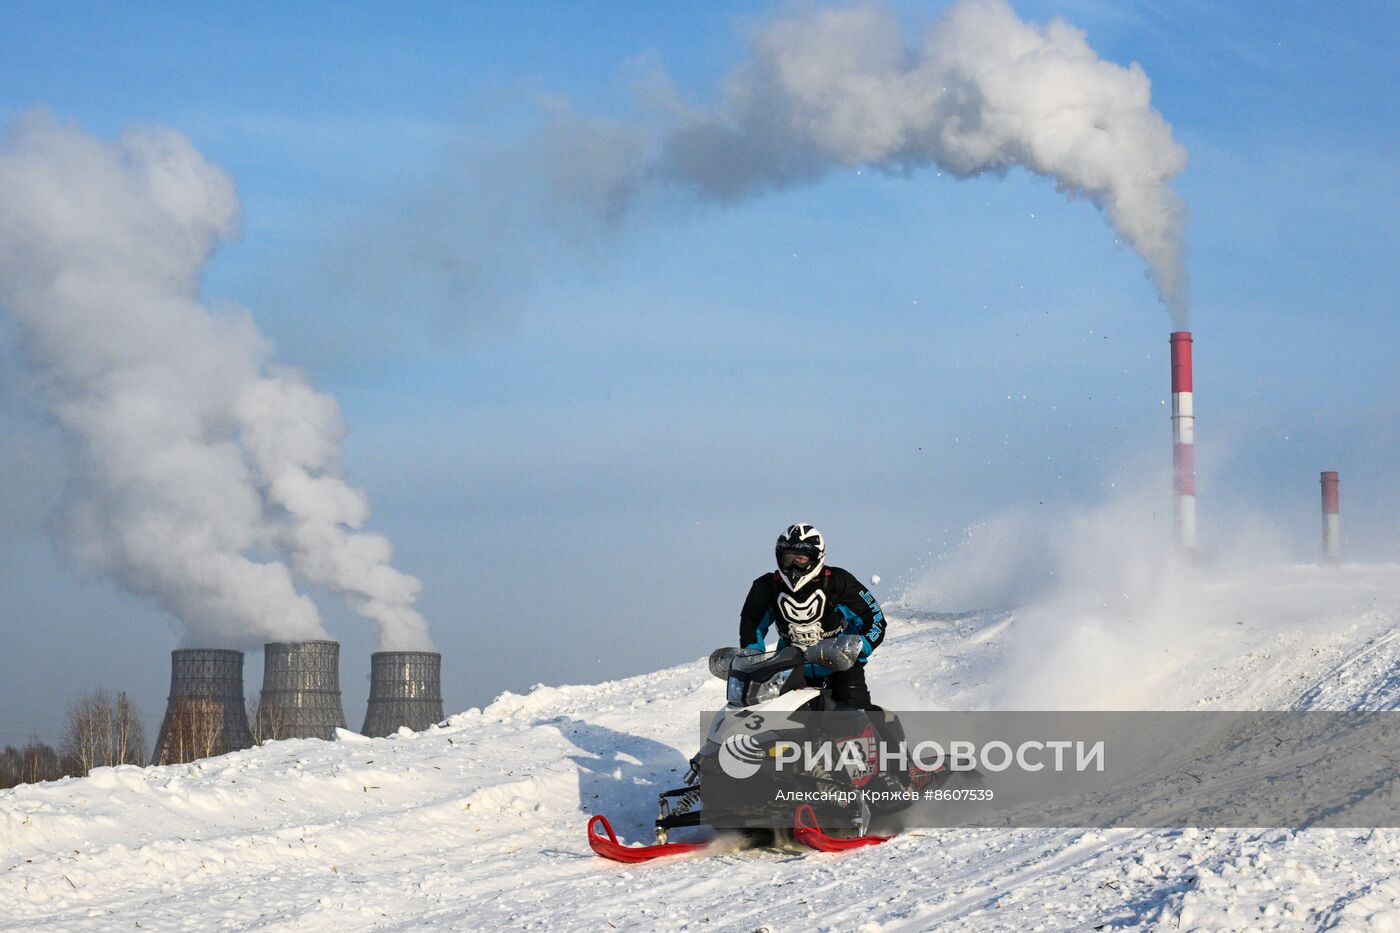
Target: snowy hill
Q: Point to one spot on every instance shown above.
(479, 823)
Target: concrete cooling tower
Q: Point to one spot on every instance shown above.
(300, 692)
(405, 690)
(204, 715)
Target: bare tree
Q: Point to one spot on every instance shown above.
(128, 733)
(87, 733)
(208, 732)
(37, 762)
(268, 721)
(101, 732)
(9, 767)
(176, 743)
(195, 729)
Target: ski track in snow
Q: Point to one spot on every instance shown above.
(479, 823)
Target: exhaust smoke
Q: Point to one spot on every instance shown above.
(982, 92)
(204, 475)
(822, 90)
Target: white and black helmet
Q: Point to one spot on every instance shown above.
(800, 551)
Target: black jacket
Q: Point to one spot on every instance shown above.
(835, 603)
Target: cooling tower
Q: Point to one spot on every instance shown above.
(405, 689)
(301, 691)
(204, 715)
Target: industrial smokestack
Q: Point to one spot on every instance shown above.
(1331, 518)
(301, 691)
(204, 715)
(1184, 443)
(405, 690)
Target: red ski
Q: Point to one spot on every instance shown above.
(805, 827)
(809, 833)
(608, 846)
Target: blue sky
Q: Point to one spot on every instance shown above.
(586, 459)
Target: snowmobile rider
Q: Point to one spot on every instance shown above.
(825, 611)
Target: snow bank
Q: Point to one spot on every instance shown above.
(478, 823)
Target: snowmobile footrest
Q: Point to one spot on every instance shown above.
(608, 847)
(809, 833)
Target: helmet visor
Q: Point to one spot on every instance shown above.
(790, 559)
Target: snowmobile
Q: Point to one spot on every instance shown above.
(762, 689)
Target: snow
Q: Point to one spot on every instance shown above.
(479, 823)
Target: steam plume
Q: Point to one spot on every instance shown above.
(983, 92)
(822, 90)
(205, 476)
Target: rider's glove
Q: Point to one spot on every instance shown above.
(839, 653)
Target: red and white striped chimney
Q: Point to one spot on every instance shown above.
(1184, 443)
(1331, 518)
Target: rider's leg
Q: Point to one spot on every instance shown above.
(848, 688)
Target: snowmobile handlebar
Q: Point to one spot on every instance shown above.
(839, 653)
(719, 661)
(721, 657)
